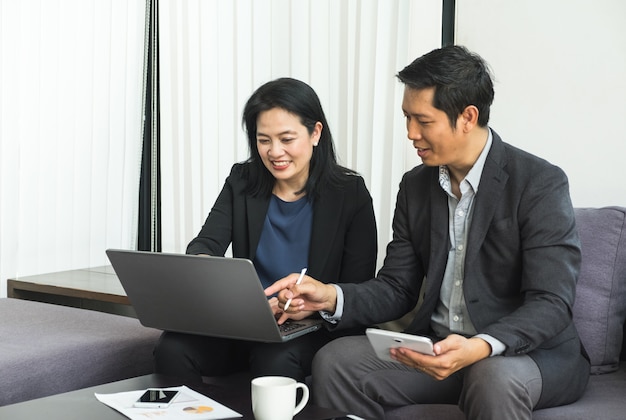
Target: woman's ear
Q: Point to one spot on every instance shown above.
(317, 133)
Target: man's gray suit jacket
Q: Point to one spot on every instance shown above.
(521, 266)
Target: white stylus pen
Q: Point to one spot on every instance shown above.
(302, 273)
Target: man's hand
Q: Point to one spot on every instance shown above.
(451, 354)
(308, 296)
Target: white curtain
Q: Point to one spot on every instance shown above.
(70, 132)
(214, 54)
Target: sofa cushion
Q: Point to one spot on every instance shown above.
(48, 349)
(603, 399)
(600, 306)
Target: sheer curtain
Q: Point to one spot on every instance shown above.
(70, 132)
(215, 53)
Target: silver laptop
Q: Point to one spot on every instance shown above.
(213, 296)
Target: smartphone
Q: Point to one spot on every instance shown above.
(383, 340)
(155, 398)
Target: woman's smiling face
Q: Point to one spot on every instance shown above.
(286, 146)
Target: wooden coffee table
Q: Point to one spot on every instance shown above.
(82, 404)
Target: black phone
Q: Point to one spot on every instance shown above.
(155, 398)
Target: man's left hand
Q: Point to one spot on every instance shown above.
(451, 354)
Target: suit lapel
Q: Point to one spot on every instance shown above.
(492, 183)
(439, 229)
(326, 211)
(439, 245)
(256, 209)
(439, 236)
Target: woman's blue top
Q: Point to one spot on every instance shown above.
(284, 244)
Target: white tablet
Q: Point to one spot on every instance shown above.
(383, 340)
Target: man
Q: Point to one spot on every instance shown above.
(487, 232)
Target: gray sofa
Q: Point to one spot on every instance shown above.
(47, 349)
(599, 314)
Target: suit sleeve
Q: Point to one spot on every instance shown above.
(360, 248)
(396, 288)
(216, 233)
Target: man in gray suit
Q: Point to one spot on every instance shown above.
(487, 233)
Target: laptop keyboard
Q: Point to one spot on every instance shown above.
(289, 326)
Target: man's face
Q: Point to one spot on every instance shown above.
(429, 129)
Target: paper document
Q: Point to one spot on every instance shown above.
(188, 405)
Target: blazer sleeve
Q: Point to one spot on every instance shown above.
(360, 246)
(216, 233)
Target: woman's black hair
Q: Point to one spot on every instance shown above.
(297, 98)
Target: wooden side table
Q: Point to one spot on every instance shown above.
(96, 288)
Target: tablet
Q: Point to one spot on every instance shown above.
(383, 340)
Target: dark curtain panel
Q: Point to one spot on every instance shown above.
(447, 23)
(149, 229)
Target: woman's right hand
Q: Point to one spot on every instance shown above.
(278, 311)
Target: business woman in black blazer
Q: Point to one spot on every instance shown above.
(332, 232)
(343, 236)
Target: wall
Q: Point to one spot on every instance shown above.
(560, 69)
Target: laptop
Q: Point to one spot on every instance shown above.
(212, 296)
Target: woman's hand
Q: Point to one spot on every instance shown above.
(309, 296)
(278, 312)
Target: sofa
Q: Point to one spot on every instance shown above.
(599, 313)
(47, 349)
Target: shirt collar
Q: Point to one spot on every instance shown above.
(473, 176)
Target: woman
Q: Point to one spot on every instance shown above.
(289, 206)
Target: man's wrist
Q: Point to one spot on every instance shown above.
(335, 312)
(496, 346)
(332, 299)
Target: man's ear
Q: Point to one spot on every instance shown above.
(469, 118)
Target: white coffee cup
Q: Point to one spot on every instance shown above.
(274, 397)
